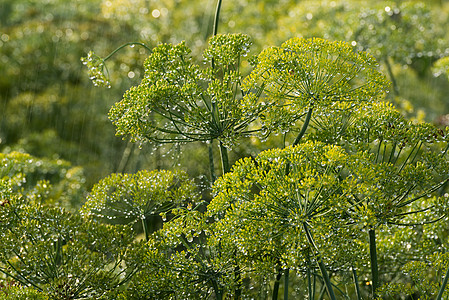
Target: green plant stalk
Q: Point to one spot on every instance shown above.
(238, 290)
(304, 127)
(126, 156)
(211, 162)
(300, 135)
(217, 17)
(287, 171)
(322, 292)
(218, 294)
(24, 282)
(326, 278)
(276, 284)
(58, 255)
(356, 284)
(223, 152)
(313, 287)
(443, 286)
(286, 280)
(215, 29)
(392, 77)
(200, 259)
(123, 46)
(145, 229)
(373, 258)
(224, 159)
(309, 283)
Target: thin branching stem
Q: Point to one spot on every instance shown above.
(373, 257)
(309, 281)
(416, 147)
(420, 223)
(16, 278)
(304, 126)
(300, 135)
(217, 291)
(123, 46)
(356, 284)
(322, 292)
(313, 287)
(145, 229)
(224, 158)
(276, 284)
(21, 276)
(392, 77)
(443, 286)
(323, 270)
(213, 177)
(216, 20)
(286, 280)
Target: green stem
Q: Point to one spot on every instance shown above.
(286, 280)
(356, 284)
(309, 282)
(223, 151)
(313, 287)
(211, 162)
(373, 257)
(300, 135)
(145, 229)
(126, 155)
(304, 127)
(19, 278)
(224, 154)
(218, 294)
(443, 286)
(326, 278)
(276, 284)
(238, 278)
(392, 77)
(322, 292)
(217, 17)
(443, 188)
(224, 159)
(123, 46)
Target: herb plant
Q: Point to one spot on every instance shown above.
(352, 187)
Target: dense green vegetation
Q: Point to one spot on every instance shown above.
(262, 150)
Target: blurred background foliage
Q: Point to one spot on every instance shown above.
(50, 109)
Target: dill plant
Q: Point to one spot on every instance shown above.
(356, 170)
(60, 254)
(355, 165)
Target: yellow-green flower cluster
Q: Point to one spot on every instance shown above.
(313, 73)
(97, 69)
(134, 197)
(178, 102)
(262, 205)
